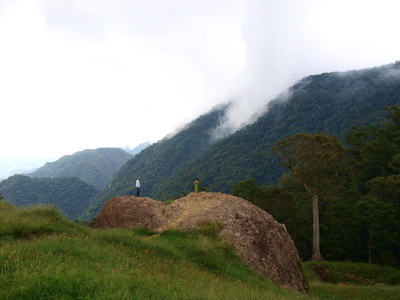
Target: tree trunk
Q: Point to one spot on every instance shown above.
(316, 253)
(369, 246)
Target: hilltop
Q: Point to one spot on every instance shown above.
(330, 103)
(45, 256)
(94, 166)
(261, 242)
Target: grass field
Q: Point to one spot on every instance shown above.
(44, 256)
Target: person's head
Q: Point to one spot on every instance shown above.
(197, 179)
(138, 178)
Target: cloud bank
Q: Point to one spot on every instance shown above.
(95, 73)
(287, 40)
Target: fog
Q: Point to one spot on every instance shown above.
(88, 74)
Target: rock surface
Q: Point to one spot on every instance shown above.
(130, 211)
(260, 241)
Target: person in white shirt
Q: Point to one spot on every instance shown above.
(137, 187)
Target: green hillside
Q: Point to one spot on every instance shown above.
(160, 160)
(69, 194)
(94, 166)
(44, 256)
(329, 103)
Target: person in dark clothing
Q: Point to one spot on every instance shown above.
(137, 187)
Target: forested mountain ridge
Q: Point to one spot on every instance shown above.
(159, 160)
(330, 103)
(94, 166)
(69, 194)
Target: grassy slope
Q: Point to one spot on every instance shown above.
(45, 256)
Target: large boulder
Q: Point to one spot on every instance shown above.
(260, 241)
(129, 211)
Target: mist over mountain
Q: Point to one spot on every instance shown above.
(94, 166)
(160, 160)
(330, 103)
(19, 164)
(136, 149)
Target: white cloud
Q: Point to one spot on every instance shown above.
(95, 73)
(74, 79)
(287, 40)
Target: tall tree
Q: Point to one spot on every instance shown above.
(315, 160)
(380, 220)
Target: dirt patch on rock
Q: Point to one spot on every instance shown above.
(261, 242)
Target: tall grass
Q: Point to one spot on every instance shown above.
(344, 280)
(44, 256)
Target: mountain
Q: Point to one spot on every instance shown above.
(160, 160)
(95, 167)
(136, 149)
(330, 103)
(69, 194)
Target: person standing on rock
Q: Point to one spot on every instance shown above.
(196, 185)
(137, 187)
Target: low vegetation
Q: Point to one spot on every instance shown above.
(44, 256)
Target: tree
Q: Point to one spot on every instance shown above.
(249, 190)
(374, 150)
(316, 161)
(386, 189)
(380, 221)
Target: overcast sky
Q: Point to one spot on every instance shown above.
(84, 74)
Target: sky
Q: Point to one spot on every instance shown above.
(85, 74)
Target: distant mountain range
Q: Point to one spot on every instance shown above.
(136, 149)
(19, 164)
(330, 103)
(94, 166)
(69, 182)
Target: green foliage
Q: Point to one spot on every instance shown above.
(374, 153)
(249, 190)
(17, 223)
(382, 227)
(351, 273)
(327, 103)
(69, 194)
(156, 163)
(315, 160)
(359, 210)
(96, 167)
(340, 280)
(82, 263)
(69, 261)
(386, 189)
(288, 204)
